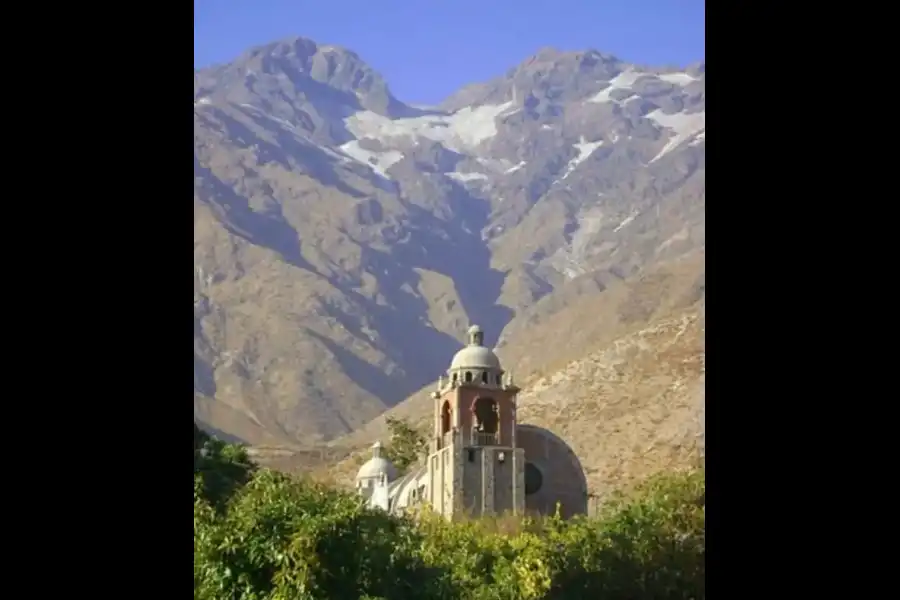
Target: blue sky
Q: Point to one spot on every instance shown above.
(426, 49)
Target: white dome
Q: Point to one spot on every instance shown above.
(475, 357)
(377, 466)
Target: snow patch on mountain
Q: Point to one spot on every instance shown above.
(677, 78)
(515, 168)
(683, 126)
(466, 177)
(460, 131)
(584, 149)
(622, 81)
(379, 162)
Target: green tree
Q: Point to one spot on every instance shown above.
(286, 539)
(406, 444)
(654, 540)
(219, 468)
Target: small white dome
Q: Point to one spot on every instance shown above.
(377, 466)
(475, 357)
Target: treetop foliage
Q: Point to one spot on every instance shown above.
(405, 446)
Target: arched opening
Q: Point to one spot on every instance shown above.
(534, 479)
(487, 417)
(499, 379)
(455, 377)
(445, 417)
(484, 377)
(468, 376)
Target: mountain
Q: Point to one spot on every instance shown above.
(344, 240)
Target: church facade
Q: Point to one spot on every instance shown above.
(481, 461)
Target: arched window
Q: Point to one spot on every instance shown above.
(468, 376)
(455, 377)
(499, 379)
(534, 479)
(484, 377)
(487, 417)
(445, 417)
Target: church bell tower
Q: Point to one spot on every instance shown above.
(474, 466)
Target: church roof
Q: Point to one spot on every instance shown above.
(475, 355)
(399, 490)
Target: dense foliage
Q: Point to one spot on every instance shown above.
(219, 468)
(406, 444)
(279, 538)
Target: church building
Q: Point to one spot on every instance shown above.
(481, 461)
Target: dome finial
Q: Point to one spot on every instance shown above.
(376, 449)
(476, 336)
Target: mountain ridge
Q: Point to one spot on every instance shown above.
(344, 240)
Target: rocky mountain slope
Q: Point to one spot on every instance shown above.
(344, 240)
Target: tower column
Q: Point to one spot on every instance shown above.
(488, 500)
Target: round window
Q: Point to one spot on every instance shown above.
(534, 479)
